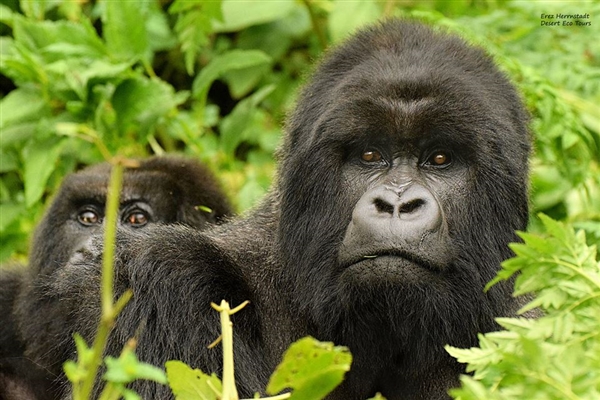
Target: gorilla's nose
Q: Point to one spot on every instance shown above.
(406, 221)
(414, 209)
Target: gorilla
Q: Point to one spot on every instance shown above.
(160, 190)
(402, 178)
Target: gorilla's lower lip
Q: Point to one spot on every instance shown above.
(401, 258)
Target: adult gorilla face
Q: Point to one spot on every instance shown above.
(404, 178)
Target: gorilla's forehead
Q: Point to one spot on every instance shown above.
(92, 186)
(402, 107)
(396, 114)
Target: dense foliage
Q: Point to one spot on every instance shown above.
(558, 355)
(82, 81)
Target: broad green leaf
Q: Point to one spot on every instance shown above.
(274, 39)
(346, 17)
(81, 76)
(232, 60)
(34, 9)
(550, 187)
(9, 212)
(234, 125)
(44, 35)
(191, 384)
(253, 12)
(40, 159)
(124, 29)
(160, 36)
(6, 15)
(8, 161)
(17, 133)
(140, 102)
(14, 112)
(242, 81)
(22, 65)
(311, 369)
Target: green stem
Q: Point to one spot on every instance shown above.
(316, 25)
(110, 234)
(575, 268)
(110, 392)
(108, 307)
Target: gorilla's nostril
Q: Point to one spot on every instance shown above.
(383, 206)
(410, 206)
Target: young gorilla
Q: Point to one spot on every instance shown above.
(402, 178)
(161, 190)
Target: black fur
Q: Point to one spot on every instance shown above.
(398, 89)
(163, 189)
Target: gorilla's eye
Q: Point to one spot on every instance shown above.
(88, 217)
(439, 159)
(137, 218)
(371, 156)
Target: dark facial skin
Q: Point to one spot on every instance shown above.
(402, 178)
(160, 191)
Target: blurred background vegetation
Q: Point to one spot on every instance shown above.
(215, 79)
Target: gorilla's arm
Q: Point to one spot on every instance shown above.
(20, 378)
(10, 285)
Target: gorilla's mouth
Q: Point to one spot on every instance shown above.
(389, 258)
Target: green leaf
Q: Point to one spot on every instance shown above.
(22, 65)
(10, 212)
(18, 133)
(8, 161)
(232, 60)
(557, 229)
(81, 76)
(378, 396)
(242, 81)
(49, 35)
(160, 36)
(6, 15)
(253, 12)
(128, 368)
(191, 384)
(13, 111)
(347, 16)
(234, 125)
(311, 369)
(194, 24)
(124, 29)
(74, 370)
(39, 157)
(129, 394)
(140, 102)
(250, 193)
